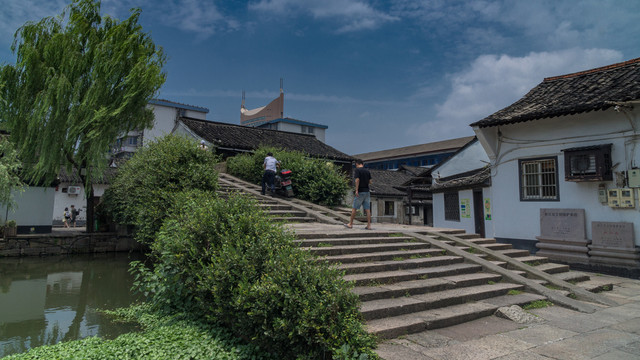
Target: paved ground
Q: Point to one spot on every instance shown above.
(611, 333)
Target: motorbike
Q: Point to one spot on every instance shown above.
(283, 183)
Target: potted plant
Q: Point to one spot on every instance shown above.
(10, 228)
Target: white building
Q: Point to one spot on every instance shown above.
(166, 114)
(570, 143)
(461, 191)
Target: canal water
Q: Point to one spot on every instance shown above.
(46, 300)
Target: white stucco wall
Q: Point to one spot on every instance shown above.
(470, 158)
(516, 219)
(163, 123)
(35, 207)
(466, 224)
(65, 200)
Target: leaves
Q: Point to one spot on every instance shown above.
(80, 81)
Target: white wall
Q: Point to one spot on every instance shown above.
(35, 207)
(470, 158)
(65, 200)
(163, 123)
(517, 219)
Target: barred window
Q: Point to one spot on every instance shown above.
(539, 180)
(451, 206)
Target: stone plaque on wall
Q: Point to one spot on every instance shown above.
(562, 224)
(563, 235)
(613, 234)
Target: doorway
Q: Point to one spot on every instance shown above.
(478, 212)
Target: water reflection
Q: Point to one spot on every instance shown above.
(47, 300)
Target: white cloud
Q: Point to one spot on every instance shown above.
(198, 17)
(492, 82)
(16, 12)
(353, 15)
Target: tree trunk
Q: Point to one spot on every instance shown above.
(90, 210)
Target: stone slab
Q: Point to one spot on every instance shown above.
(617, 235)
(562, 223)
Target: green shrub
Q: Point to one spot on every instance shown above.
(316, 180)
(225, 260)
(146, 183)
(162, 338)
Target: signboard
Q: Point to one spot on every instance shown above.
(487, 209)
(465, 208)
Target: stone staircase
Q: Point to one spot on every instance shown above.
(411, 282)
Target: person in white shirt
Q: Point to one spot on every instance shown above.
(270, 166)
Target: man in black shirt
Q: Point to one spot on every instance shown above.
(362, 178)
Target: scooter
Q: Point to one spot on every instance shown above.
(283, 183)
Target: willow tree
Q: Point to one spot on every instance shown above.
(80, 81)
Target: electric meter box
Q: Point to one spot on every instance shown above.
(602, 196)
(621, 198)
(634, 178)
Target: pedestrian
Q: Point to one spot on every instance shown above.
(203, 145)
(270, 166)
(74, 215)
(362, 197)
(66, 216)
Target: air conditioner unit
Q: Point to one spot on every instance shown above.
(73, 190)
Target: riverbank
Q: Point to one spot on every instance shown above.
(64, 241)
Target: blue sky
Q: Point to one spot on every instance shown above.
(379, 74)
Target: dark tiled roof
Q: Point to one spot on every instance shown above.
(415, 170)
(245, 138)
(73, 177)
(384, 182)
(178, 105)
(415, 150)
(591, 90)
(479, 177)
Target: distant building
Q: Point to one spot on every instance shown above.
(272, 117)
(424, 155)
(166, 114)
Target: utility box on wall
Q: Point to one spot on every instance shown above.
(621, 198)
(634, 178)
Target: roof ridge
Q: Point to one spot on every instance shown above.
(590, 71)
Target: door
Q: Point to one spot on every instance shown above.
(478, 212)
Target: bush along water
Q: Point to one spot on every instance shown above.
(223, 262)
(146, 183)
(224, 259)
(315, 180)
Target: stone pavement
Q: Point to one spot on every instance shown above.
(611, 333)
(607, 334)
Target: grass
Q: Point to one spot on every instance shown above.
(514, 292)
(396, 235)
(471, 250)
(324, 245)
(552, 287)
(490, 282)
(423, 277)
(397, 258)
(419, 256)
(538, 304)
(606, 287)
(532, 263)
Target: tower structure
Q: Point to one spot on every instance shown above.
(258, 116)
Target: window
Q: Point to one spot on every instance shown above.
(539, 179)
(389, 208)
(451, 207)
(589, 163)
(411, 210)
(133, 140)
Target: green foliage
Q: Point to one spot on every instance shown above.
(514, 292)
(315, 180)
(79, 81)
(147, 183)
(168, 337)
(224, 260)
(9, 169)
(538, 304)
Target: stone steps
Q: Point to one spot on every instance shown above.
(393, 265)
(366, 248)
(392, 327)
(390, 307)
(354, 240)
(388, 277)
(382, 256)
